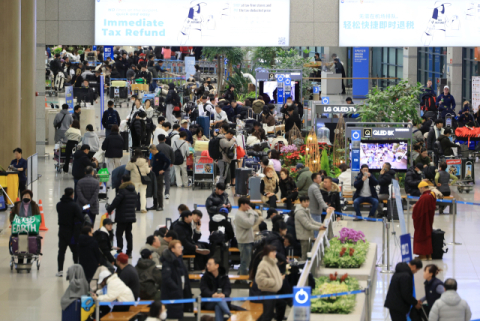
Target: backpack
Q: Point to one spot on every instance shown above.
(430, 103)
(168, 140)
(179, 158)
(214, 149)
(218, 249)
(148, 287)
(112, 118)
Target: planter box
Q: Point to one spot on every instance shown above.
(363, 273)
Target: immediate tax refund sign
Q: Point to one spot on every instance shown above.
(415, 23)
(192, 22)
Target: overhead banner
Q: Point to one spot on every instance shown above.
(415, 23)
(192, 22)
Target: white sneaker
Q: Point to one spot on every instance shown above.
(59, 274)
(167, 196)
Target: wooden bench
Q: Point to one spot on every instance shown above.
(233, 277)
(120, 316)
(254, 311)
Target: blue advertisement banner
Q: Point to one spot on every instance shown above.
(280, 95)
(107, 52)
(69, 98)
(406, 248)
(361, 68)
(102, 97)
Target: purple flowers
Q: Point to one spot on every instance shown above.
(350, 235)
(288, 149)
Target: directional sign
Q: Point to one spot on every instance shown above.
(280, 78)
(288, 82)
(316, 89)
(406, 248)
(280, 96)
(356, 135)
(325, 100)
(301, 303)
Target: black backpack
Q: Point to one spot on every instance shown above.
(437, 148)
(111, 118)
(214, 149)
(430, 103)
(168, 140)
(179, 158)
(218, 249)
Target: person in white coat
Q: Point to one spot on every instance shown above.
(450, 306)
(346, 176)
(116, 291)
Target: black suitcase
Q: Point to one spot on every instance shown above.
(241, 180)
(122, 92)
(438, 242)
(391, 209)
(125, 140)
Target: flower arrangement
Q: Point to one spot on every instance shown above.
(350, 235)
(334, 284)
(346, 255)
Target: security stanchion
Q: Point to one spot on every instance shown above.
(407, 220)
(368, 313)
(454, 210)
(97, 310)
(383, 243)
(199, 308)
(195, 206)
(388, 270)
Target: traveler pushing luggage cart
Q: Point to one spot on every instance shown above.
(203, 170)
(59, 155)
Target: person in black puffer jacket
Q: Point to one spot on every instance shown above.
(89, 255)
(138, 129)
(70, 220)
(217, 199)
(220, 220)
(80, 162)
(104, 238)
(412, 179)
(113, 144)
(183, 228)
(399, 296)
(125, 203)
(209, 285)
(384, 180)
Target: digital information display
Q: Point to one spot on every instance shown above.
(192, 22)
(416, 23)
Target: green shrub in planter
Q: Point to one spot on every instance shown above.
(334, 284)
(334, 258)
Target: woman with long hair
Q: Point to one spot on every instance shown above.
(288, 188)
(199, 136)
(138, 167)
(433, 286)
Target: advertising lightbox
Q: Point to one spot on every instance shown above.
(192, 22)
(416, 23)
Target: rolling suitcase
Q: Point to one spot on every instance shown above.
(241, 180)
(118, 92)
(438, 242)
(204, 122)
(72, 312)
(34, 245)
(125, 140)
(254, 188)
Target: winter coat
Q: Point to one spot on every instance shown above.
(117, 175)
(304, 224)
(125, 203)
(400, 293)
(210, 284)
(287, 186)
(104, 239)
(317, 204)
(417, 136)
(172, 96)
(113, 146)
(185, 235)
(257, 106)
(426, 126)
(433, 135)
(116, 291)
(244, 223)
(269, 120)
(89, 255)
(73, 134)
(70, 219)
(80, 162)
(87, 193)
(129, 276)
(446, 145)
(304, 180)
(230, 113)
(91, 139)
(155, 254)
(138, 130)
(385, 180)
(412, 179)
(346, 178)
(214, 203)
(150, 277)
(331, 197)
(268, 277)
(173, 269)
(276, 240)
(67, 121)
(293, 119)
(448, 106)
(358, 184)
(219, 220)
(18, 209)
(450, 307)
(141, 164)
(152, 186)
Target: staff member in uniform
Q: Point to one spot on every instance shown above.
(20, 164)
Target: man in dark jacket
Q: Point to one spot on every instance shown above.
(221, 221)
(228, 109)
(168, 152)
(117, 176)
(240, 111)
(365, 192)
(446, 103)
(446, 143)
(412, 179)
(183, 228)
(340, 70)
(175, 281)
(275, 238)
(80, 162)
(145, 74)
(213, 280)
(426, 125)
(331, 193)
(110, 117)
(138, 129)
(104, 238)
(89, 255)
(121, 66)
(292, 118)
(218, 200)
(435, 133)
(87, 193)
(125, 203)
(384, 180)
(160, 164)
(230, 94)
(127, 273)
(70, 219)
(149, 274)
(400, 293)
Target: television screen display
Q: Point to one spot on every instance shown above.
(375, 154)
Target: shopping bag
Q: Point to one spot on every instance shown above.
(26, 225)
(240, 152)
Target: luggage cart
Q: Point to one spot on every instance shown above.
(59, 155)
(203, 171)
(104, 177)
(25, 251)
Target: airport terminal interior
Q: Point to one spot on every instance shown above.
(333, 153)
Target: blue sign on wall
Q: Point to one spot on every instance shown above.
(108, 52)
(316, 89)
(301, 303)
(325, 100)
(69, 98)
(356, 135)
(361, 67)
(280, 96)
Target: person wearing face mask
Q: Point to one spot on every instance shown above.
(466, 119)
(26, 207)
(412, 179)
(158, 312)
(284, 109)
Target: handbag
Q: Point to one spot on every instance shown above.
(145, 179)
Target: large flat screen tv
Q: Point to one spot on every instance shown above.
(376, 153)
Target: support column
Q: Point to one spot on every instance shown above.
(28, 110)
(10, 15)
(410, 67)
(454, 74)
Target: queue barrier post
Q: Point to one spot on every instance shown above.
(195, 206)
(368, 314)
(454, 210)
(388, 270)
(408, 215)
(383, 243)
(199, 308)
(97, 310)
